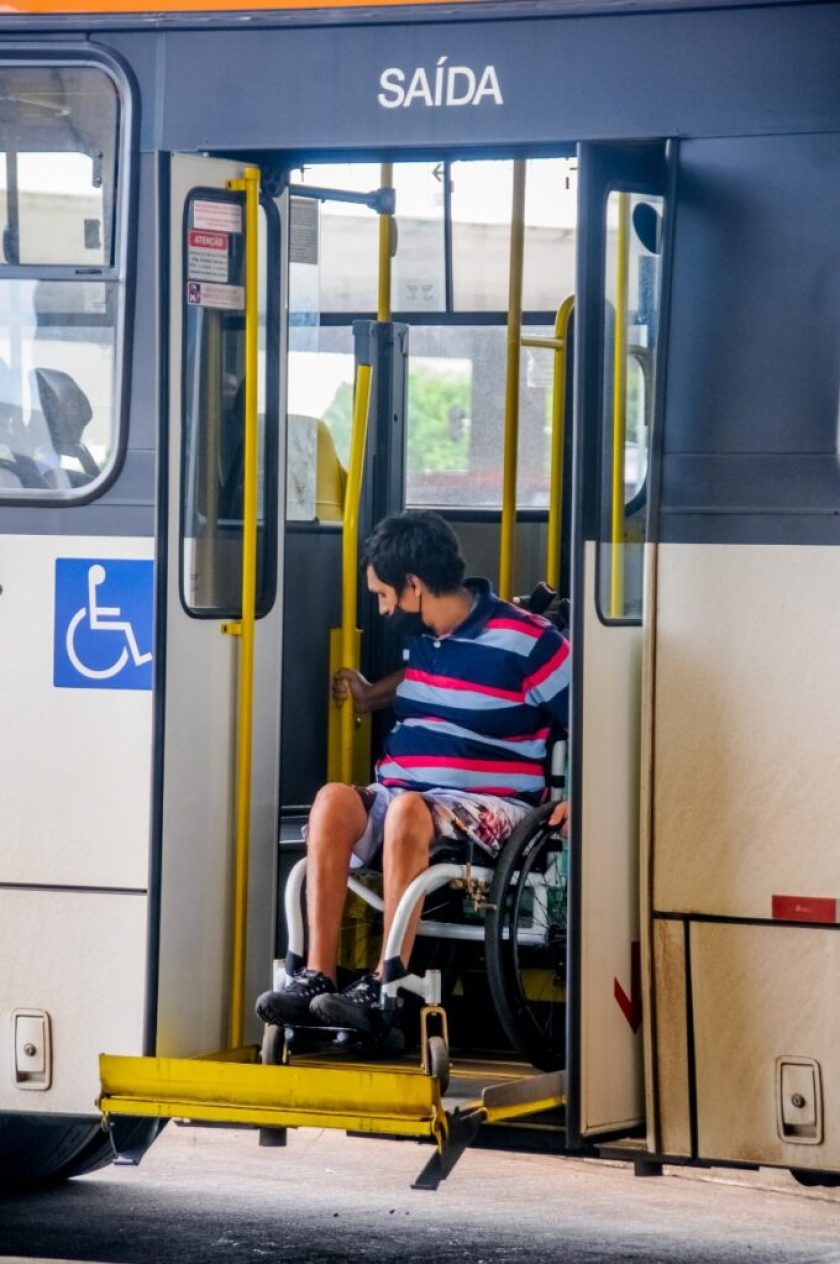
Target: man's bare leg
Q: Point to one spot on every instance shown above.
(405, 853)
(336, 822)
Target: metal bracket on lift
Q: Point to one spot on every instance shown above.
(499, 1102)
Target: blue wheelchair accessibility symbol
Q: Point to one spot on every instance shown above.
(103, 624)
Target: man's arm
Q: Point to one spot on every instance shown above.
(366, 696)
(547, 680)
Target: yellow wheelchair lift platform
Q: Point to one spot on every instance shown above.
(395, 1100)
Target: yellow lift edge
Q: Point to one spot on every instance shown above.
(394, 1100)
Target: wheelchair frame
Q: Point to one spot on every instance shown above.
(481, 884)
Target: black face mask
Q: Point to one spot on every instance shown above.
(407, 623)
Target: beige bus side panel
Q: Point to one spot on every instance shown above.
(671, 1069)
(79, 956)
(747, 727)
(761, 993)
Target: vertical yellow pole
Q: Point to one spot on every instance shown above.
(350, 636)
(514, 335)
(558, 437)
(386, 236)
(349, 560)
(250, 184)
(619, 408)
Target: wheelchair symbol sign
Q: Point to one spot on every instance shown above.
(103, 624)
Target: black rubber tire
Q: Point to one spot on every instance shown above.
(438, 1061)
(535, 1029)
(36, 1152)
(815, 1180)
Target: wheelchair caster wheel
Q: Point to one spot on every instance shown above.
(437, 1061)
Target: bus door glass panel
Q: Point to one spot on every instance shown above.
(214, 411)
(58, 333)
(632, 285)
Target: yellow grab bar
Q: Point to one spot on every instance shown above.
(559, 344)
(349, 563)
(349, 635)
(244, 628)
(386, 248)
(558, 443)
(619, 408)
(514, 337)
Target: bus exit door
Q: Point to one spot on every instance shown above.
(618, 301)
(201, 600)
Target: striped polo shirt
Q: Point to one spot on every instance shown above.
(475, 708)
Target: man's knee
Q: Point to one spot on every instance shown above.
(408, 819)
(337, 809)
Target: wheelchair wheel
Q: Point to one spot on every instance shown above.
(438, 1061)
(525, 941)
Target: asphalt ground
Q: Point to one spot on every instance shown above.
(203, 1196)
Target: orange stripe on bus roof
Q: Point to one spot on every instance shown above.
(195, 6)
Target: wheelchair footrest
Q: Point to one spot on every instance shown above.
(388, 1043)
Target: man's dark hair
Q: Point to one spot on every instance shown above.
(417, 542)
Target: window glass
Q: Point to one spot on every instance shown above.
(419, 268)
(631, 316)
(58, 162)
(456, 391)
(57, 419)
(58, 381)
(481, 202)
(320, 401)
(214, 410)
(482, 194)
(550, 247)
(348, 237)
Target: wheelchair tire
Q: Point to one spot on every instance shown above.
(525, 943)
(438, 1062)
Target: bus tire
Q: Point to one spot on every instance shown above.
(36, 1152)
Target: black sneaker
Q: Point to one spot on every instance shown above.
(357, 1006)
(292, 1004)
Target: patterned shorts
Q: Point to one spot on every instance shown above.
(459, 819)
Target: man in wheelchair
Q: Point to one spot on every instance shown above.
(484, 683)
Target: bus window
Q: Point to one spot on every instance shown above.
(631, 314)
(456, 387)
(58, 382)
(214, 422)
(450, 285)
(456, 391)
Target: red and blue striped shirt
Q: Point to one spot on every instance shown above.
(475, 708)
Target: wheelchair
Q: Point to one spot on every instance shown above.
(515, 904)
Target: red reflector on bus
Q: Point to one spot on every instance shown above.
(804, 908)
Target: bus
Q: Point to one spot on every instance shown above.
(565, 272)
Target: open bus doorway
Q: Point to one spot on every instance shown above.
(441, 447)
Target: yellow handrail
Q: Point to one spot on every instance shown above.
(349, 637)
(619, 408)
(386, 244)
(558, 443)
(349, 563)
(514, 337)
(559, 344)
(250, 185)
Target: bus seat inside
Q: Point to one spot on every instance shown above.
(67, 411)
(312, 447)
